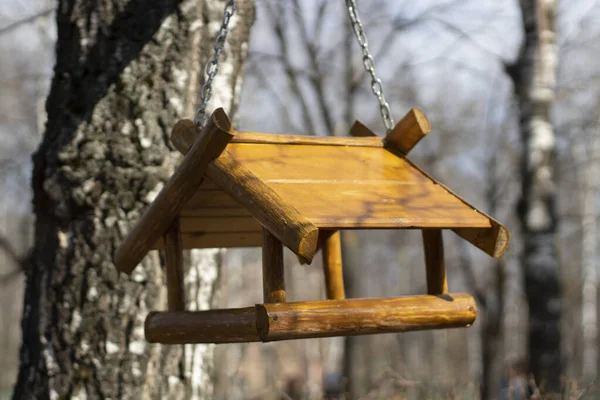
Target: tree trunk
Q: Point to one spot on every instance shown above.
(586, 158)
(125, 71)
(534, 77)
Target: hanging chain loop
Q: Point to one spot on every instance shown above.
(369, 64)
(212, 67)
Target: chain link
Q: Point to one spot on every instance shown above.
(212, 67)
(369, 64)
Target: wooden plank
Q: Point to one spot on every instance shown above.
(270, 138)
(408, 132)
(211, 199)
(177, 191)
(272, 261)
(434, 261)
(324, 318)
(283, 220)
(358, 129)
(173, 250)
(215, 212)
(332, 266)
(211, 240)
(219, 224)
(272, 162)
(234, 325)
(342, 205)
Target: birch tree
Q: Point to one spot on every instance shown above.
(534, 76)
(125, 71)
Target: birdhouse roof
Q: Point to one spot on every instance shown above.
(296, 186)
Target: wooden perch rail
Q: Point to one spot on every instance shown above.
(313, 319)
(177, 191)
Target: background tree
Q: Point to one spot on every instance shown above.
(534, 77)
(125, 71)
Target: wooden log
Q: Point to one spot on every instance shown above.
(273, 277)
(358, 129)
(434, 261)
(284, 221)
(408, 132)
(178, 190)
(493, 241)
(332, 266)
(324, 318)
(174, 265)
(235, 325)
(266, 138)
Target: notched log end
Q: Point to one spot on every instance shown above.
(147, 327)
(408, 132)
(221, 120)
(184, 135)
(262, 321)
(122, 262)
(308, 245)
(502, 239)
(421, 120)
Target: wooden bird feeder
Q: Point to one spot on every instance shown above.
(243, 189)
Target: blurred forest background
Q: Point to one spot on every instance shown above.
(454, 60)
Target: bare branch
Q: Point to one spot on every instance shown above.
(278, 28)
(26, 20)
(317, 77)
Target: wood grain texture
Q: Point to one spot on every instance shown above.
(233, 325)
(272, 162)
(284, 221)
(211, 240)
(435, 267)
(358, 129)
(273, 276)
(281, 219)
(408, 132)
(269, 138)
(307, 186)
(326, 318)
(219, 224)
(173, 250)
(177, 191)
(355, 205)
(492, 240)
(332, 266)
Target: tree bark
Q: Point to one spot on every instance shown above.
(126, 70)
(586, 158)
(534, 76)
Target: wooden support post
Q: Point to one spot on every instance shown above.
(408, 132)
(325, 318)
(434, 261)
(272, 258)
(175, 194)
(332, 266)
(174, 259)
(233, 325)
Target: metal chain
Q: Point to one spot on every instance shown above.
(369, 64)
(212, 67)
